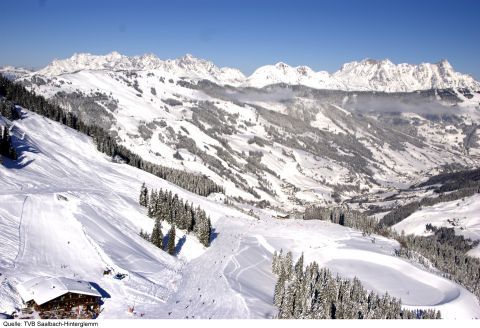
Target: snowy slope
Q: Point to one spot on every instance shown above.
(67, 210)
(463, 215)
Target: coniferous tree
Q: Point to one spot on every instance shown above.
(279, 290)
(299, 266)
(274, 262)
(152, 204)
(288, 265)
(157, 235)
(6, 146)
(171, 241)
(143, 199)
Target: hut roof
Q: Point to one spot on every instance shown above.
(44, 289)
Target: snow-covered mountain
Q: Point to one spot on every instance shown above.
(366, 75)
(301, 75)
(186, 66)
(14, 72)
(286, 144)
(386, 76)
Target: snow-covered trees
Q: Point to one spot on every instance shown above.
(342, 215)
(143, 199)
(165, 206)
(156, 237)
(315, 293)
(447, 252)
(8, 110)
(202, 227)
(6, 146)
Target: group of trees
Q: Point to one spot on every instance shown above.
(343, 216)
(447, 252)
(443, 249)
(156, 237)
(8, 110)
(165, 206)
(105, 142)
(314, 293)
(6, 147)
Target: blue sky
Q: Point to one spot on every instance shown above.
(245, 34)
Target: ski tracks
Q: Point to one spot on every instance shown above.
(21, 239)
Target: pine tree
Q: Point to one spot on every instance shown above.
(143, 199)
(299, 266)
(287, 308)
(157, 235)
(275, 263)
(153, 204)
(288, 265)
(171, 241)
(279, 290)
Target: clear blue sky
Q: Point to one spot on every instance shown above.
(244, 33)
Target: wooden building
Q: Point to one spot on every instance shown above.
(60, 298)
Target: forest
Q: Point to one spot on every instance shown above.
(315, 293)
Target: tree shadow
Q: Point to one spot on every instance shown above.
(165, 242)
(180, 244)
(22, 146)
(213, 235)
(16, 165)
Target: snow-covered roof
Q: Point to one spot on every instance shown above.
(44, 289)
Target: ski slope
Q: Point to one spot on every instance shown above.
(67, 210)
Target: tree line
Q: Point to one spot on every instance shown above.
(344, 216)
(165, 206)
(18, 94)
(315, 293)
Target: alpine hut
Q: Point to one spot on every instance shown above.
(60, 297)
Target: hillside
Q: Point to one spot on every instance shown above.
(287, 145)
(68, 210)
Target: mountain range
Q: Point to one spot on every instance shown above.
(365, 75)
